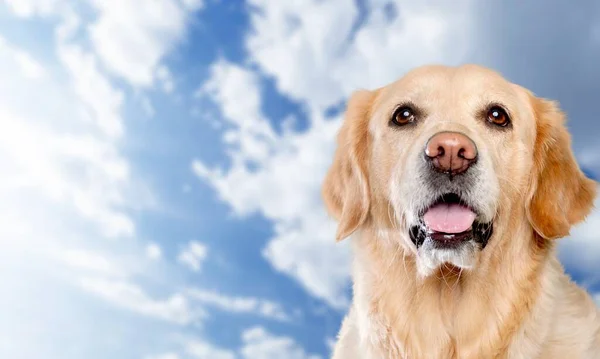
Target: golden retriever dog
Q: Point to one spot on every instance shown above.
(455, 185)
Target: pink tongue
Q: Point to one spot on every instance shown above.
(449, 218)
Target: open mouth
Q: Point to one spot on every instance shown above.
(449, 215)
(450, 221)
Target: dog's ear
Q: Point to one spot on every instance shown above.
(345, 190)
(560, 194)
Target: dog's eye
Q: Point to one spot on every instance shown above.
(497, 116)
(403, 116)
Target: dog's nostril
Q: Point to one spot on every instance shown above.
(441, 151)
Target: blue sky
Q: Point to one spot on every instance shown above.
(162, 164)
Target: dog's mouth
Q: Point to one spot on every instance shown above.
(449, 215)
(450, 221)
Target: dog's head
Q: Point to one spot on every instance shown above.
(445, 156)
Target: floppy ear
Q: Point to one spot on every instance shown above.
(346, 188)
(561, 195)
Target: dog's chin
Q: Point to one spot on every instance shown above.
(459, 249)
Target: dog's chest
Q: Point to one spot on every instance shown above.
(386, 341)
(423, 334)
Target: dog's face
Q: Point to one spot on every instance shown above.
(445, 155)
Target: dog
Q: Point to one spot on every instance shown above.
(454, 184)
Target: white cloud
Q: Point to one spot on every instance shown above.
(153, 251)
(63, 149)
(132, 40)
(288, 44)
(330, 342)
(237, 90)
(29, 67)
(257, 343)
(322, 67)
(203, 350)
(260, 344)
(94, 89)
(147, 106)
(89, 261)
(129, 296)
(55, 165)
(193, 5)
(307, 251)
(284, 187)
(68, 188)
(193, 255)
(164, 356)
(164, 76)
(249, 305)
(28, 8)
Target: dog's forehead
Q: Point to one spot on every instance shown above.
(438, 83)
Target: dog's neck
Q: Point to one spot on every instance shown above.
(450, 313)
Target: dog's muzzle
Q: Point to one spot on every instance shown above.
(450, 219)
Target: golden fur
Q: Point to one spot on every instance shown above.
(516, 301)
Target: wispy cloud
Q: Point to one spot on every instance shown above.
(260, 344)
(257, 343)
(28, 8)
(321, 68)
(129, 296)
(52, 163)
(241, 305)
(69, 194)
(131, 40)
(88, 261)
(153, 251)
(164, 356)
(29, 67)
(289, 168)
(193, 255)
(201, 349)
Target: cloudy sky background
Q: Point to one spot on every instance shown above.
(161, 160)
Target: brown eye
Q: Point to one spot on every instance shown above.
(403, 116)
(497, 116)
